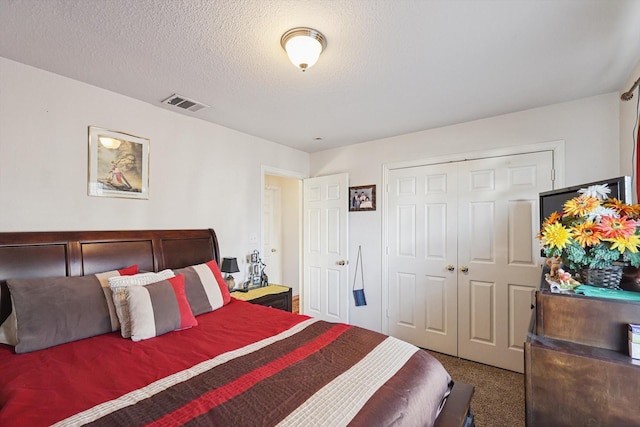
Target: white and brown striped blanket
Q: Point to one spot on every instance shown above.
(315, 373)
(312, 373)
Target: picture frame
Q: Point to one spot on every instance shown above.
(362, 198)
(118, 164)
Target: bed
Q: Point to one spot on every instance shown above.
(221, 362)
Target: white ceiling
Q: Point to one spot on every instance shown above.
(391, 66)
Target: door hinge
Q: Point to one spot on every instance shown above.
(553, 175)
(388, 317)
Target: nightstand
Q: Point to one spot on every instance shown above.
(274, 296)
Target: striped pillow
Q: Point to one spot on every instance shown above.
(206, 289)
(158, 308)
(118, 285)
(35, 291)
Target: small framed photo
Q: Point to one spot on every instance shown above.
(118, 164)
(362, 198)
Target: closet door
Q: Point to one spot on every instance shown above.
(422, 209)
(463, 260)
(498, 254)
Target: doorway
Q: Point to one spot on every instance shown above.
(281, 246)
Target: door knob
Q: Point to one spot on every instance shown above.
(341, 262)
(450, 267)
(464, 268)
(273, 250)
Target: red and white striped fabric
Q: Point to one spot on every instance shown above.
(226, 371)
(205, 288)
(355, 385)
(158, 308)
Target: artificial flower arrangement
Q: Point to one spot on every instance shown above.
(593, 231)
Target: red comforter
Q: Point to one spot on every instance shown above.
(242, 365)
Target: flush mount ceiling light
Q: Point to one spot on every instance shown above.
(304, 46)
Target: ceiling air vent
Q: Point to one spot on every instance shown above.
(184, 103)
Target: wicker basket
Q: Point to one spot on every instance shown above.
(607, 277)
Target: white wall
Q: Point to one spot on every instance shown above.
(201, 175)
(589, 127)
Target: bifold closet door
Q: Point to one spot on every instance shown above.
(462, 256)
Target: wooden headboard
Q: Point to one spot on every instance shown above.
(77, 253)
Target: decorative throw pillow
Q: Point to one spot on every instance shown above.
(118, 285)
(104, 282)
(158, 308)
(40, 306)
(205, 288)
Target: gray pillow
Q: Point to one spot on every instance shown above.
(52, 311)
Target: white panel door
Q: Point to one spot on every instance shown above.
(462, 257)
(422, 256)
(325, 290)
(498, 255)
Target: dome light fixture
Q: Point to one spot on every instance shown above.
(303, 46)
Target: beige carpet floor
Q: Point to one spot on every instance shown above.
(498, 400)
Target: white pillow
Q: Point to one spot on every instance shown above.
(118, 286)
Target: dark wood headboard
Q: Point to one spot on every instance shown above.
(77, 253)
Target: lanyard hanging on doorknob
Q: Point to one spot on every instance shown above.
(358, 294)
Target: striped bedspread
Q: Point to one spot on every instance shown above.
(313, 373)
(285, 367)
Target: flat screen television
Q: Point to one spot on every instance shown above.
(553, 201)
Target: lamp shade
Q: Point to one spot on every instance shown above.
(229, 265)
(303, 46)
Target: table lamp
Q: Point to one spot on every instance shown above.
(229, 265)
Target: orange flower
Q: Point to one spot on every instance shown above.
(631, 211)
(613, 228)
(580, 206)
(552, 219)
(587, 234)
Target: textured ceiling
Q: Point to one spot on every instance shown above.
(390, 67)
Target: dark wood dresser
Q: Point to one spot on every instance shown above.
(577, 366)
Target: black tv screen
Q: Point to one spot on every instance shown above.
(554, 200)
